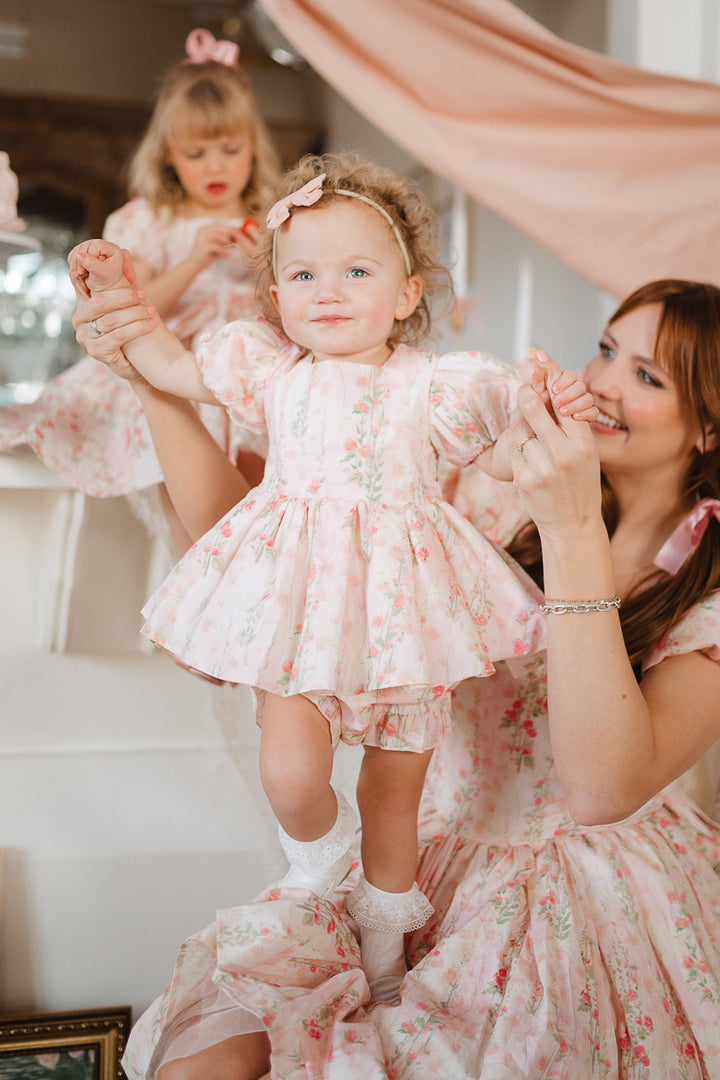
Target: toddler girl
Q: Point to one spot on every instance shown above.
(200, 176)
(343, 589)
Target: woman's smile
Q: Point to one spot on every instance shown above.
(605, 422)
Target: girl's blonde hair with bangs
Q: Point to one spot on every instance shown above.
(202, 101)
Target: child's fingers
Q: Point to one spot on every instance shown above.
(582, 401)
(548, 365)
(547, 426)
(590, 413)
(537, 379)
(127, 267)
(565, 384)
(572, 403)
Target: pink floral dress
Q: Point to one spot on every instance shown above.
(88, 425)
(556, 951)
(345, 572)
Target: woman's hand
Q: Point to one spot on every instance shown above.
(121, 315)
(555, 465)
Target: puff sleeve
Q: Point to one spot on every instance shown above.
(697, 631)
(472, 395)
(235, 364)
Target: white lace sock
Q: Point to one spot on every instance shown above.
(320, 865)
(384, 919)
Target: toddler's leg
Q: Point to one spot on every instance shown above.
(316, 825)
(98, 264)
(387, 903)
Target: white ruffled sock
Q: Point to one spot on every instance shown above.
(383, 961)
(384, 918)
(320, 865)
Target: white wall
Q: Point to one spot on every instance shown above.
(124, 818)
(665, 36)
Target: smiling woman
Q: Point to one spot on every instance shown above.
(640, 405)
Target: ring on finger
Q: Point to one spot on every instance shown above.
(520, 446)
(96, 328)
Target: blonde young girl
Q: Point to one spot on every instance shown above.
(343, 589)
(199, 178)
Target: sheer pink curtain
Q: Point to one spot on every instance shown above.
(613, 169)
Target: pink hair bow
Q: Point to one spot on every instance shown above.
(202, 46)
(687, 536)
(305, 196)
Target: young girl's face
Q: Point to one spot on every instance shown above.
(341, 282)
(213, 173)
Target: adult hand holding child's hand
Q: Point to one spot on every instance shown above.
(116, 314)
(555, 462)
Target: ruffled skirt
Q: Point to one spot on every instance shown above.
(294, 595)
(594, 955)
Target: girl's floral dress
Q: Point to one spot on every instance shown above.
(556, 952)
(88, 425)
(345, 572)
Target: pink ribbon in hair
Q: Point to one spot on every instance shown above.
(202, 46)
(687, 536)
(305, 196)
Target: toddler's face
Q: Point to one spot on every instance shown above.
(213, 173)
(341, 281)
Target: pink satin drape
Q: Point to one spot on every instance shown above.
(613, 169)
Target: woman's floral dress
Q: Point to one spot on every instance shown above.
(556, 952)
(88, 425)
(345, 572)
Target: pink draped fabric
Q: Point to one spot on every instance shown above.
(614, 169)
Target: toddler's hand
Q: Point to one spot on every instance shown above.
(216, 240)
(562, 391)
(97, 265)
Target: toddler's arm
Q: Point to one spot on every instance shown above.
(98, 266)
(560, 390)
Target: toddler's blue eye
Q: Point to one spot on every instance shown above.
(357, 271)
(303, 275)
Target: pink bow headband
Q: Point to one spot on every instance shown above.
(202, 47)
(310, 193)
(687, 536)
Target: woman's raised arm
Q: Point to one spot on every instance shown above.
(202, 482)
(616, 742)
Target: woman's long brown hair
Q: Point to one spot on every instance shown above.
(687, 346)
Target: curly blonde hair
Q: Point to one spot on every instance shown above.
(202, 101)
(406, 204)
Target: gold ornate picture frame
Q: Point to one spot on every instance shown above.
(77, 1045)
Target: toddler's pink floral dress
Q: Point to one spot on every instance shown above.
(556, 951)
(88, 425)
(345, 573)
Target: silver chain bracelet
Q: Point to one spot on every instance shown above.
(578, 607)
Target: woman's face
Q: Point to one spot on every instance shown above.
(642, 425)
